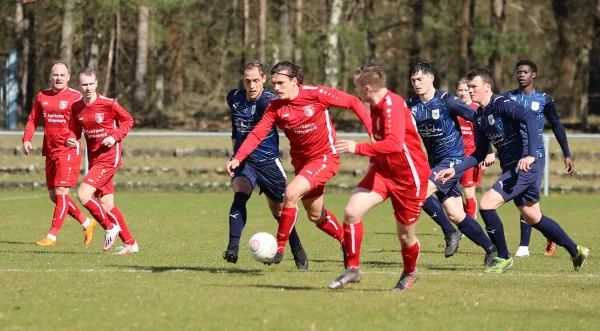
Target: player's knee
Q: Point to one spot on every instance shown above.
(52, 196)
(351, 214)
(61, 190)
(291, 197)
(83, 196)
(107, 206)
(315, 217)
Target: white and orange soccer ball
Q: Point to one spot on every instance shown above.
(262, 247)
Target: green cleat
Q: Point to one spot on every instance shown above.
(579, 259)
(499, 265)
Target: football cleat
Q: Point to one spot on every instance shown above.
(579, 259)
(127, 249)
(550, 248)
(522, 251)
(406, 281)
(46, 242)
(110, 236)
(351, 275)
(231, 254)
(88, 233)
(452, 240)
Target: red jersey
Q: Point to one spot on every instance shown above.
(467, 132)
(55, 109)
(397, 152)
(306, 122)
(99, 120)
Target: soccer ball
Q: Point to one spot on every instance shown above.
(262, 247)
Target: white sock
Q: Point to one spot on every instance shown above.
(53, 237)
(86, 223)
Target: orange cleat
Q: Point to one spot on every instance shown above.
(88, 233)
(46, 242)
(550, 248)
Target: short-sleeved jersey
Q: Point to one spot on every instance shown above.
(244, 116)
(500, 123)
(438, 125)
(55, 109)
(102, 118)
(306, 122)
(467, 130)
(397, 151)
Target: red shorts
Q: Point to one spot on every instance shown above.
(63, 170)
(100, 176)
(471, 177)
(317, 172)
(406, 201)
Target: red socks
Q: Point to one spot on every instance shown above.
(332, 227)
(94, 207)
(410, 255)
(117, 218)
(353, 236)
(286, 224)
(471, 207)
(74, 211)
(60, 213)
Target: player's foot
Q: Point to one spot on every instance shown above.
(110, 236)
(345, 256)
(276, 259)
(88, 233)
(550, 248)
(351, 275)
(127, 249)
(579, 259)
(499, 265)
(406, 281)
(46, 242)
(231, 254)
(489, 257)
(300, 258)
(452, 240)
(522, 251)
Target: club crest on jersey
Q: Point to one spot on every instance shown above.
(491, 119)
(99, 117)
(253, 110)
(435, 114)
(535, 105)
(63, 104)
(309, 110)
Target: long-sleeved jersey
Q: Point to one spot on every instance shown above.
(468, 132)
(98, 120)
(244, 116)
(55, 109)
(306, 122)
(438, 125)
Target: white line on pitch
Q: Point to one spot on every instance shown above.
(29, 197)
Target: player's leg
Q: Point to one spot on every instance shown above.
(470, 179)
(116, 217)
(433, 208)
(50, 175)
(409, 244)
(300, 258)
(242, 188)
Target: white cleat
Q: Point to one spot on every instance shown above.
(110, 236)
(522, 251)
(127, 249)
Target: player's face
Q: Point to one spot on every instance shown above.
(422, 83)
(360, 90)
(462, 91)
(87, 85)
(478, 90)
(283, 85)
(59, 77)
(254, 83)
(525, 76)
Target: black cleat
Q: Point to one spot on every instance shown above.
(489, 257)
(452, 240)
(276, 259)
(300, 258)
(231, 254)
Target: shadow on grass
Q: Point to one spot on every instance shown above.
(51, 252)
(285, 287)
(437, 267)
(395, 234)
(199, 269)
(16, 242)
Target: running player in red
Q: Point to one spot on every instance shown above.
(98, 116)
(302, 113)
(472, 177)
(399, 171)
(62, 163)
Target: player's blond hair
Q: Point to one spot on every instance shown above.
(87, 72)
(461, 81)
(373, 76)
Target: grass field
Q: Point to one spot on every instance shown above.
(179, 280)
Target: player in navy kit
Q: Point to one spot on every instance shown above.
(514, 132)
(542, 105)
(262, 167)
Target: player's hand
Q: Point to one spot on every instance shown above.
(444, 175)
(231, 165)
(525, 163)
(108, 141)
(569, 166)
(345, 146)
(71, 142)
(372, 140)
(489, 160)
(482, 166)
(27, 147)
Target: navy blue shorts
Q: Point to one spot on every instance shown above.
(452, 187)
(521, 187)
(269, 176)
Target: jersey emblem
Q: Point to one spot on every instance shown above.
(491, 119)
(535, 105)
(435, 114)
(63, 104)
(309, 110)
(253, 110)
(99, 117)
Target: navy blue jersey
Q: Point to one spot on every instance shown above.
(244, 115)
(542, 105)
(438, 125)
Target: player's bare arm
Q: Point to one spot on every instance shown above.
(346, 146)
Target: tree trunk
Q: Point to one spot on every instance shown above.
(594, 82)
(66, 41)
(498, 23)
(471, 23)
(92, 36)
(371, 42)
(245, 31)
(141, 64)
(160, 85)
(262, 25)
(19, 43)
(465, 33)
(287, 44)
(417, 39)
(298, 32)
(109, 62)
(29, 59)
(24, 60)
(332, 64)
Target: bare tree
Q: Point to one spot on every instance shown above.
(66, 41)
(141, 64)
(498, 20)
(332, 64)
(287, 44)
(92, 36)
(298, 32)
(262, 23)
(245, 30)
(109, 62)
(160, 85)
(465, 32)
